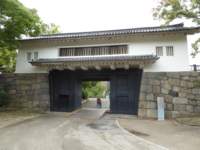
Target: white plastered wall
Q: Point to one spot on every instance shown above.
(23, 66)
(137, 46)
(178, 62)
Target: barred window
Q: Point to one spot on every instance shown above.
(35, 55)
(169, 50)
(28, 56)
(89, 51)
(159, 51)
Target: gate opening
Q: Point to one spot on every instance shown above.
(95, 94)
(121, 93)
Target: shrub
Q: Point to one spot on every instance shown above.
(4, 97)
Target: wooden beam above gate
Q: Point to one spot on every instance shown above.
(96, 62)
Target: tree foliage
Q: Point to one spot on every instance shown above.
(169, 10)
(16, 21)
(50, 29)
(93, 89)
(7, 60)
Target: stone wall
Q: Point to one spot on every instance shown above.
(181, 92)
(27, 91)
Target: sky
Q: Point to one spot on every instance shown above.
(91, 15)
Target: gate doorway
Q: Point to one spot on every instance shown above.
(96, 94)
(66, 95)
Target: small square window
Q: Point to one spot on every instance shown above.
(35, 55)
(159, 51)
(29, 56)
(169, 50)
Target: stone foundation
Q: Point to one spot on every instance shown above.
(27, 91)
(181, 92)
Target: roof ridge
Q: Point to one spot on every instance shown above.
(82, 32)
(154, 29)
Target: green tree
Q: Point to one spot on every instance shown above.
(16, 21)
(50, 29)
(93, 89)
(169, 10)
(7, 60)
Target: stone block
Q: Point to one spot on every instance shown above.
(142, 113)
(186, 77)
(180, 100)
(184, 83)
(173, 75)
(142, 96)
(164, 91)
(44, 97)
(142, 104)
(181, 94)
(44, 85)
(155, 82)
(198, 102)
(168, 114)
(194, 74)
(186, 90)
(196, 91)
(191, 96)
(176, 89)
(173, 93)
(156, 89)
(168, 99)
(189, 108)
(36, 103)
(179, 107)
(151, 113)
(166, 86)
(175, 114)
(169, 107)
(146, 88)
(197, 109)
(174, 82)
(12, 92)
(36, 86)
(190, 84)
(151, 105)
(144, 80)
(192, 102)
(149, 97)
(24, 87)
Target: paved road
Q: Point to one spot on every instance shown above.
(80, 131)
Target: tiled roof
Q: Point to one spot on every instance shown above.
(95, 58)
(169, 28)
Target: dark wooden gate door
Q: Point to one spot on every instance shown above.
(125, 89)
(65, 89)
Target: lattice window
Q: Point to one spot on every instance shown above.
(169, 50)
(159, 51)
(35, 55)
(88, 51)
(28, 56)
